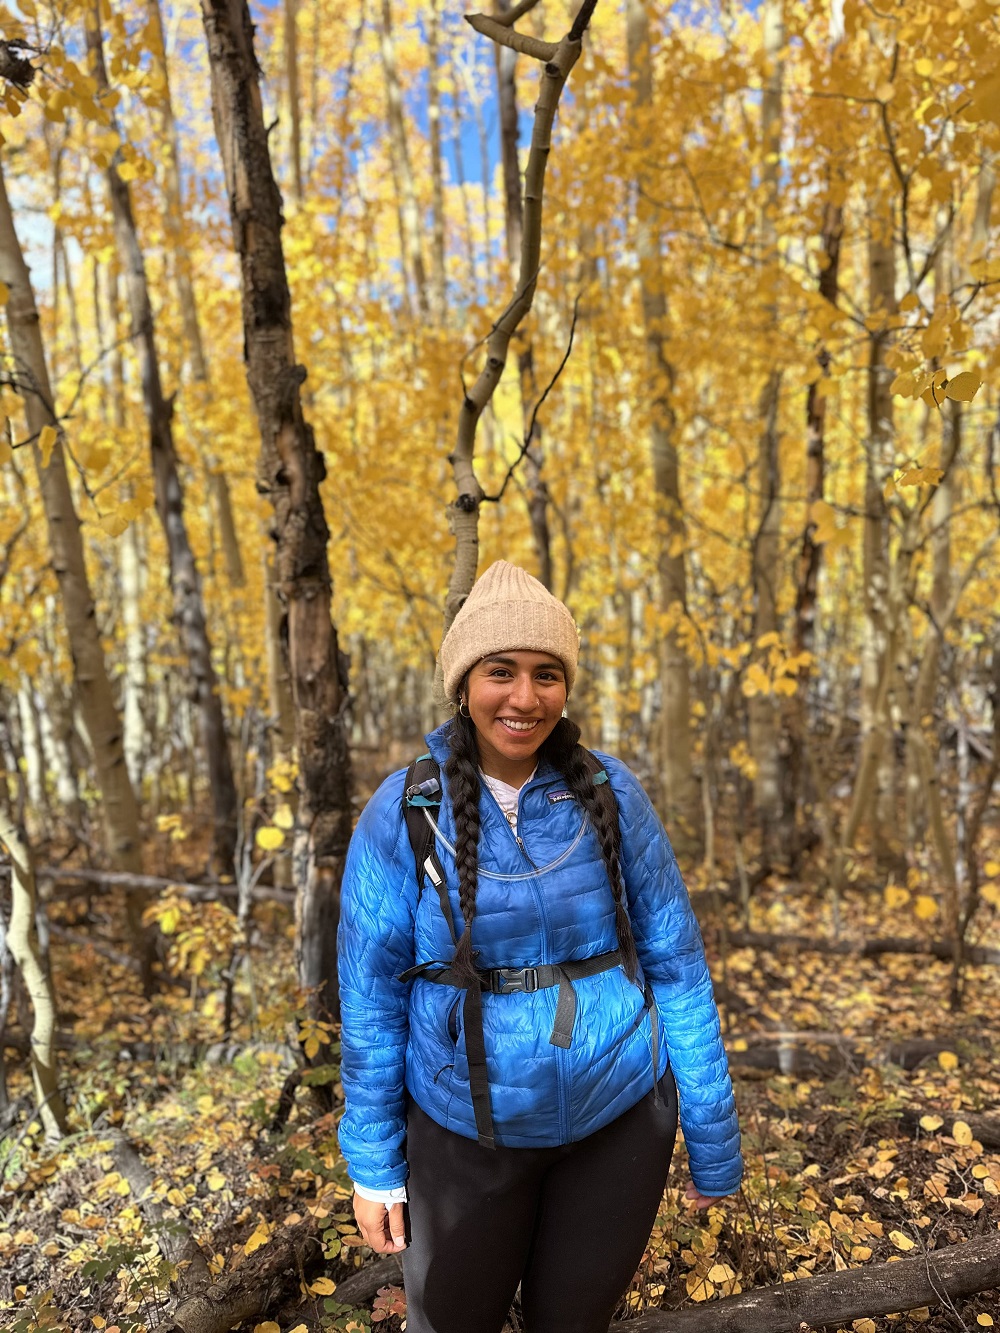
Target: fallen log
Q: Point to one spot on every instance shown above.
(177, 1245)
(364, 1285)
(986, 1129)
(259, 1285)
(943, 949)
(99, 946)
(823, 1054)
(75, 881)
(836, 1299)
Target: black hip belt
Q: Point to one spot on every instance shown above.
(510, 981)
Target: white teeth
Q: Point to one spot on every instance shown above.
(517, 726)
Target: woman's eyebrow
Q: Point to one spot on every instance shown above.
(510, 662)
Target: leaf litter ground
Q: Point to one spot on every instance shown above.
(833, 1181)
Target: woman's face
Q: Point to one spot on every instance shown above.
(515, 699)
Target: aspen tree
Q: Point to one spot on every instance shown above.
(175, 226)
(438, 274)
(22, 940)
(536, 493)
(290, 470)
(185, 581)
(764, 719)
(557, 59)
(682, 799)
(410, 224)
(93, 685)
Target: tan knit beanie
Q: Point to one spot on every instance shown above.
(508, 611)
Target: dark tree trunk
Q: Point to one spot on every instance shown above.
(289, 471)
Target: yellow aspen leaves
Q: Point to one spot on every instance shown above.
(260, 1236)
(864, 1326)
(268, 1326)
(984, 1320)
(284, 817)
(215, 1180)
(323, 1286)
(47, 437)
(961, 1133)
(901, 1241)
(826, 530)
(269, 838)
(964, 386)
(925, 907)
(948, 1061)
(930, 1123)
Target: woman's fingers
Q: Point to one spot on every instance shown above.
(397, 1227)
(694, 1195)
(381, 1228)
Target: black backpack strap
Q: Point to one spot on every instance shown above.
(600, 778)
(422, 791)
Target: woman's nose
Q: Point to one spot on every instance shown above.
(523, 694)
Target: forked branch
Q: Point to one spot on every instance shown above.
(557, 60)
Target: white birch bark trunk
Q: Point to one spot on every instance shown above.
(763, 709)
(23, 944)
(93, 685)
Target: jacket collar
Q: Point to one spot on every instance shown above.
(437, 743)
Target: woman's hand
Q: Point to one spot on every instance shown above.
(699, 1200)
(381, 1227)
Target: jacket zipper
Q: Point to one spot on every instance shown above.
(561, 1090)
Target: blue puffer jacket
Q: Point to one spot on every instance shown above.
(541, 1094)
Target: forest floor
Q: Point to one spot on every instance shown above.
(835, 1178)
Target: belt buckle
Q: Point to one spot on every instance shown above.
(510, 980)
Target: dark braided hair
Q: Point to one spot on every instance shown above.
(564, 752)
(462, 771)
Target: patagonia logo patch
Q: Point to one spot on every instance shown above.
(555, 796)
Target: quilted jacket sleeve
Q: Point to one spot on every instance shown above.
(375, 944)
(673, 960)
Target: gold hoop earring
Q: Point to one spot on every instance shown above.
(462, 704)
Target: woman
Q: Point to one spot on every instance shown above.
(512, 1034)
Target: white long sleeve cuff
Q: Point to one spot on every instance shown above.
(388, 1197)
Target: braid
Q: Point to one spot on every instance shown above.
(565, 753)
(462, 771)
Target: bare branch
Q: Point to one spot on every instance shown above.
(530, 432)
(517, 41)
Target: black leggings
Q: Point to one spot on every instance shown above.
(569, 1224)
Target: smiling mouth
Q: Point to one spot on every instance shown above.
(517, 727)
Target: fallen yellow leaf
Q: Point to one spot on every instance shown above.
(931, 1123)
(323, 1286)
(864, 1326)
(721, 1273)
(984, 1320)
(901, 1242)
(948, 1061)
(961, 1133)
